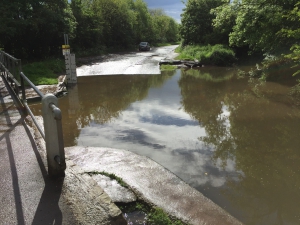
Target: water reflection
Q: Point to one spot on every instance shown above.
(236, 143)
(260, 135)
(100, 100)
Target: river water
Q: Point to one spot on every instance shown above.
(237, 142)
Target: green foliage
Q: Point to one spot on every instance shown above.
(134, 206)
(165, 28)
(219, 55)
(34, 29)
(158, 217)
(45, 72)
(255, 24)
(197, 21)
(225, 16)
(119, 24)
(155, 216)
(293, 32)
(275, 69)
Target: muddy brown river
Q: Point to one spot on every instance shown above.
(235, 141)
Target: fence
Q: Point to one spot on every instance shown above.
(11, 70)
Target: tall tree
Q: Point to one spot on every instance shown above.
(197, 22)
(165, 27)
(254, 23)
(88, 33)
(34, 28)
(144, 25)
(293, 33)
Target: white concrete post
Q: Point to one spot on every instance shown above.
(53, 136)
(71, 68)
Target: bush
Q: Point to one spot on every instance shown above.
(218, 55)
(275, 68)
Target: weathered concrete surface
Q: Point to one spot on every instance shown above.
(28, 195)
(152, 183)
(86, 199)
(115, 191)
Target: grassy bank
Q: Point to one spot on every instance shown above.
(44, 72)
(218, 55)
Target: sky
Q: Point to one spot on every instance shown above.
(172, 8)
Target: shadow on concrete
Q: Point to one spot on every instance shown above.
(47, 211)
(14, 177)
(13, 169)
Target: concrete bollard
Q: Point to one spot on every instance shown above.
(53, 136)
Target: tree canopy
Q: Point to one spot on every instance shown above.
(34, 29)
(260, 25)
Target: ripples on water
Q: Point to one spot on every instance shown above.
(236, 142)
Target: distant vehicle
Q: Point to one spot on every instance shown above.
(144, 46)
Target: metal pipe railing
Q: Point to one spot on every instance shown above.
(53, 135)
(52, 132)
(31, 85)
(11, 68)
(24, 101)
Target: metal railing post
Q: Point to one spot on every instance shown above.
(52, 133)
(53, 136)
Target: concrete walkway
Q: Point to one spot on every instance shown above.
(28, 195)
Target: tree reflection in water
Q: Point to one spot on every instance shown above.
(250, 130)
(261, 134)
(100, 99)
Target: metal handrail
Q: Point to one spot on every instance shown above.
(52, 133)
(10, 65)
(24, 101)
(32, 85)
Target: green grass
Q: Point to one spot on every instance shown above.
(155, 215)
(218, 55)
(44, 72)
(168, 67)
(158, 217)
